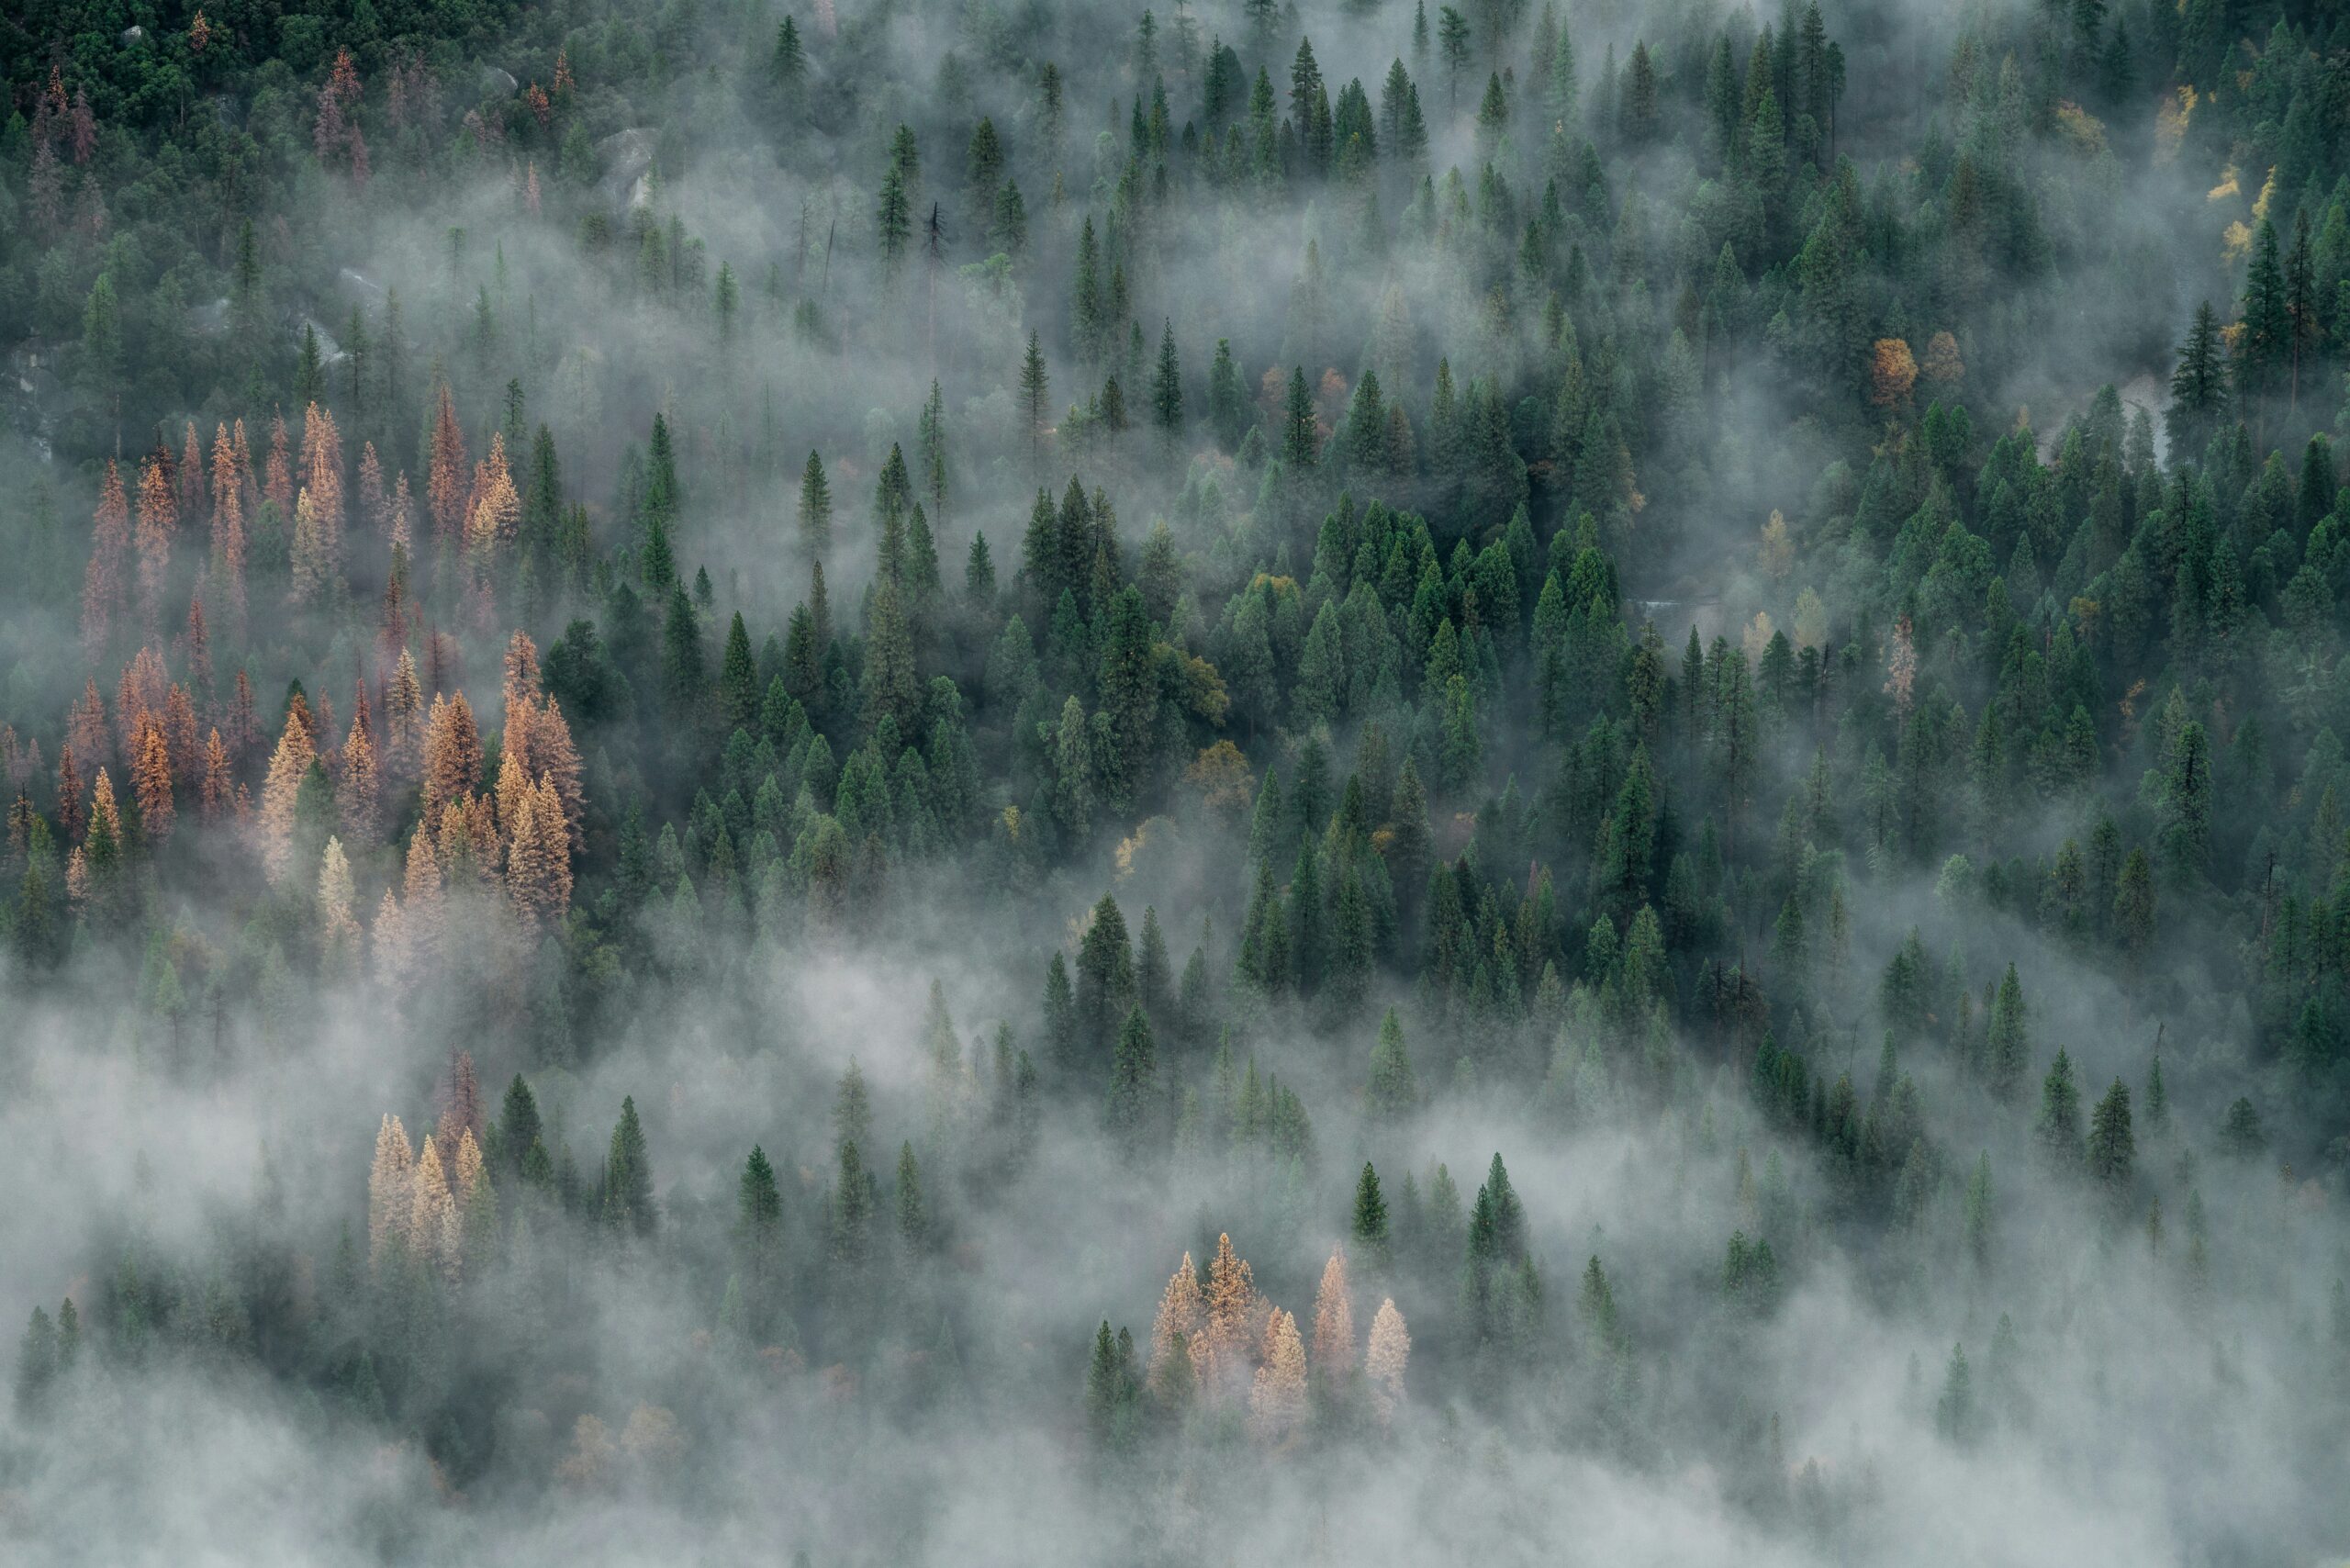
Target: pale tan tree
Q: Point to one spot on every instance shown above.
(388, 940)
(1334, 1322)
(1181, 1312)
(296, 751)
(1276, 1401)
(338, 929)
(433, 1227)
(1390, 1352)
(159, 517)
(391, 1197)
(420, 894)
(1231, 1307)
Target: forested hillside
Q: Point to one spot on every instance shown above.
(783, 783)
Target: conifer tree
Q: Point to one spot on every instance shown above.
(1333, 1327)
(1389, 1354)
(628, 1203)
(1370, 1225)
(390, 1193)
(1277, 1402)
(1392, 1092)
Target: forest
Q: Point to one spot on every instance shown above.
(1572, 774)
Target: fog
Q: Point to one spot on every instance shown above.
(1825, 1245)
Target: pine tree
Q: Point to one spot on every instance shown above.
(2058, 1125)
(390, 1191)
(435, 1233)
(297, 752)
(2112, 1147)
(1333, 1327)
(1182, 1313)
(1392, 1093)
(1277, 1406)
(1167, 388)
(1134, 1082)
(628, 1204)
(1389, 1354)
(1955, 1414)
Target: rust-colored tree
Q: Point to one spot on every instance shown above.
(151, 784)
(216, 795)
(227, 563)
(102, 580)
(451, 755)
(444, 484)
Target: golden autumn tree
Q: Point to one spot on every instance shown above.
(538, 859)
(1231, 1306)
(514, 786)
(537, 734)
(158, 518)
(338, 928)
(296, 751)
(151, 784)
(452, 754)
(433, 1227)
(1390, 1352)
(1893, 371)
(322, 477)
(391, 1197)
(1181, 1313)
(102, 580)
(1277, 1400)
(493, 509)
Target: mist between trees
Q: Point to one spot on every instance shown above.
(900, 783)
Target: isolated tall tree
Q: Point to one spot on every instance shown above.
(1389, 1354)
